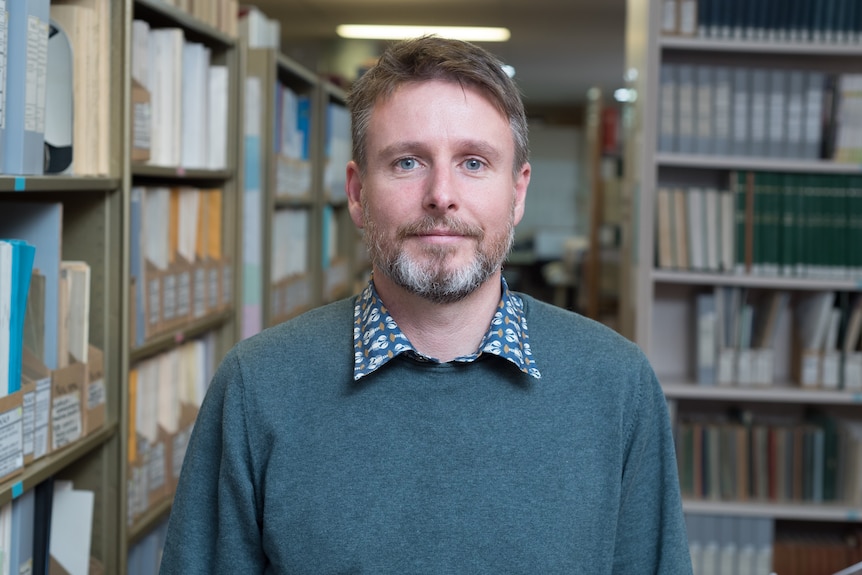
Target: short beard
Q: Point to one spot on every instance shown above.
(432, 280)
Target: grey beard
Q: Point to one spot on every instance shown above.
(440, 287)
(427, 280)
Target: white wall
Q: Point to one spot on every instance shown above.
(557, 203)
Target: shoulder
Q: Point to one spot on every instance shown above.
(326, 331)
(562, 330)
(319, 326)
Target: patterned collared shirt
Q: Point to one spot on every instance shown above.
(377, 338)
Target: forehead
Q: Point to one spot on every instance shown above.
(437, 108)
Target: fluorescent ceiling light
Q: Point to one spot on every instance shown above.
(379, 32)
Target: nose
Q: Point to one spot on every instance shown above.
(440, 193)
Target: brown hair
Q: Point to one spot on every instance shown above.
(434, 58)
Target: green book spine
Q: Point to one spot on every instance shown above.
(839, 223)
(737, 185)
(854, 226)
(772, 224)
(758, 255)
(787, 231)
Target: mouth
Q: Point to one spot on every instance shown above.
(433, 230)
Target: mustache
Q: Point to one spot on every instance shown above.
(429, 224)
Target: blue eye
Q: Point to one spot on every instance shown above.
(473, 164)
(406, 163)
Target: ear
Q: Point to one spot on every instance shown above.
(522, 182)
(353, 187)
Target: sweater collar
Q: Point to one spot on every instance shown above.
(377, 338)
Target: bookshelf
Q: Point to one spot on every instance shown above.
(83, 209)
(339, 260)
(741, 122)
(281, 102)
(300, 247)
(181, 246)
(162, 286)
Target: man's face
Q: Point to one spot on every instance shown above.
(439, 200)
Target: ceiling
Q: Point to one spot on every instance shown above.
(559, 48)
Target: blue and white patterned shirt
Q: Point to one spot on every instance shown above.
(377, 338)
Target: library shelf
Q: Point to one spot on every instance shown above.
(55, 462)
(742, 163)
(172, 338)
(694, 43)
(779, 510)
(784, 392)
(663, 276)
(57, 183)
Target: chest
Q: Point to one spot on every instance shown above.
(440, 482)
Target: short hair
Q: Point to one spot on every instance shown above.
(434, 58)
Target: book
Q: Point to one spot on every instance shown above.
(704, 110)
(196, 99)
(26, 87)
(86, 24)
(217, 118)
(852, 347)
(41, 225)
(20, 554)
(686, 108)
(165, 85)
(707, 344)
(20, 267)
(813, 316)
(4, 55)
(59, 112)
(71, 527)
(76, 279)
(664, 222)
(44, 497)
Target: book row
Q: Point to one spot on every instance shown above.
(179, 100)
(165, 393)
(178, 269)
(805, 551)
(813, 460)
(44, 409)
(815, 21)
(744, 111)
(55, 101)
(738, 331)
(730, 544)
(337, 151)
(798, 224)
(48, 529)
(293, 146)
(773, 224)
(219, 14)
(292, 143)
(145, 554)
(290, 231)
(743, 545)
(16, 269)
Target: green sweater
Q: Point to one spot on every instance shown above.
(430, 468)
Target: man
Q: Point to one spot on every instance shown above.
(437, 422)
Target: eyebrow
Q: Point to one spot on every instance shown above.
(467, 146)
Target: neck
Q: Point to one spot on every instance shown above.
(441, 330)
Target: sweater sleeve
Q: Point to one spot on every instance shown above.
(215, 524)
(651, 536)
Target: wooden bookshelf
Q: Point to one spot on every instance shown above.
(663, 151)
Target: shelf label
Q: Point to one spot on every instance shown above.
(20, 184)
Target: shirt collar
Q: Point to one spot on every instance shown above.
(377, 338)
